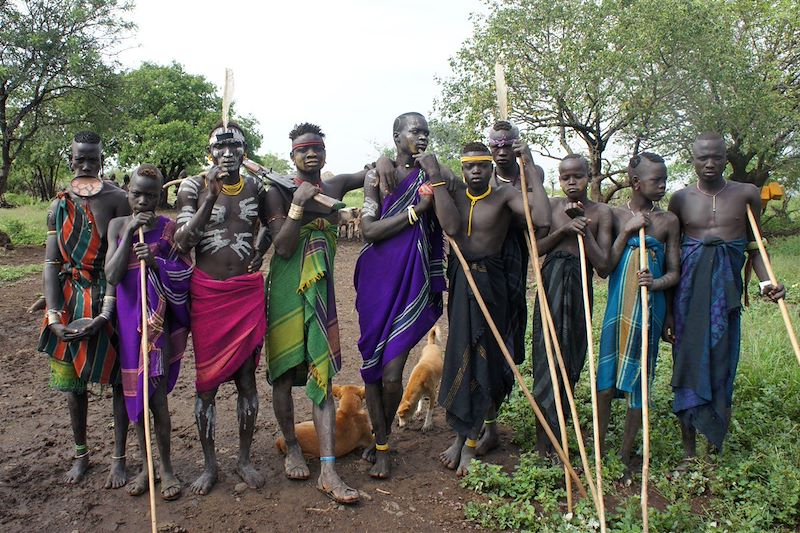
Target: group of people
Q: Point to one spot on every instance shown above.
(99, 235)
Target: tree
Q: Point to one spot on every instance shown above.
(49, 50)
(165, 115)
(274, 162)
(605, 74)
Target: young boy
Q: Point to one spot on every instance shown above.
(168, 275)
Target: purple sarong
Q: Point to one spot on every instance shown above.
(399, 283)
(168, 316)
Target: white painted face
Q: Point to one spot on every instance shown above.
(227, 153)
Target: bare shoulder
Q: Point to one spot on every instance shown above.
(745, 189)
(191, 186)
(600, 209)
(556, 201)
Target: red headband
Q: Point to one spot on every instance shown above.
(309, 143)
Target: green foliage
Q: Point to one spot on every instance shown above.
(165, 117)
(26, 225)
(753, 485)
(273, 162)
(354, 198)
(51, 50)
(10, 274)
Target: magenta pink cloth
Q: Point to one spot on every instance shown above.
(228, 324)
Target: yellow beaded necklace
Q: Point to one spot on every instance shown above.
(233, 190)
(474, 200)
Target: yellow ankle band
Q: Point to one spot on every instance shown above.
(471, 443)
(382, 447)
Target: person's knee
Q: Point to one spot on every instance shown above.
(392, 384)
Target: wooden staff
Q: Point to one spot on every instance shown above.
(510, 360)
(146, 387)
(587, 313)
(644, 375)
(570, 396)
(774, 282)
(544, 311)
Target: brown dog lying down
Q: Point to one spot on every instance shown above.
(353, 429)
(423, 383)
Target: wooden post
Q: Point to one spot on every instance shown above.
(146, 386)
(787, 321)
(587, 313)
(644, 376)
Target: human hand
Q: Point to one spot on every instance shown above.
(214, 179)
(522, 150)
(89, 330)
(645, 278)
(143, 253)
(139, 220)
(62, 332)
(637, 221)
(425, 198)
(255, 263)
(428, 163)
(386, 175)
(668, 329)
(305, 192)
(774, 293)
(577, 226)
(574, 209)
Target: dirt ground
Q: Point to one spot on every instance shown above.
(36, 447)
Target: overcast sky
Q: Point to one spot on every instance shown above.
(350, 66)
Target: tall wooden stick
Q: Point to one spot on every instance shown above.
(510, 360)
(570, 396)
(587, 313)
(644, 376)
(544, 311)
(146, 389)
(774, 281)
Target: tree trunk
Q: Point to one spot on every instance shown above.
(596, 174)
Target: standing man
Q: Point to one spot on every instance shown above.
(505, 143)
(218, 213)
(573, 215)
(168, 275)
(78, 334)
(707, 304)
(475, 377)
(399, 278)
(620, 363)
(303, 341)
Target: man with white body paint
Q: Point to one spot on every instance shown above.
(218, 213)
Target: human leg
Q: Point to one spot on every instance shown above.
(247, 413)
(329, 481)
(294, 464)
(391, 392)
(205, 414)
(117, 477)
(78, 405)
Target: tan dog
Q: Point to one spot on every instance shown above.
(423, 383)
(353, 429)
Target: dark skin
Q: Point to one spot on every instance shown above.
(492, 217)
(143, 196)
(576, 215)
(506, 172)
(110, 202)
(649, 184)
(221, 228)
(729, 222)
(309, 161)
(384, 397)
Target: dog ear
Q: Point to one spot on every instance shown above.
(337, 391)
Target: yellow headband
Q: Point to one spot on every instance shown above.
(475, 158)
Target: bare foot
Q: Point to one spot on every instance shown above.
(451, 455)
(332, 486)
(295, 464)
(488, 441)
(117, 477)
(170, 486)
(205, 482)
(383, 466)
(78, 471)
(251, 476)
(369, 453)
(138, 484)
(467, 455)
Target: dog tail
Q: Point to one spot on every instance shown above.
(434, 334)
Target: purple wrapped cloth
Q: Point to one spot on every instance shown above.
(168, 316)
(399, 283)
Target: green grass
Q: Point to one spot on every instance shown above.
(26, 224)
(354, 198)
(9, 274)
(754, 485)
